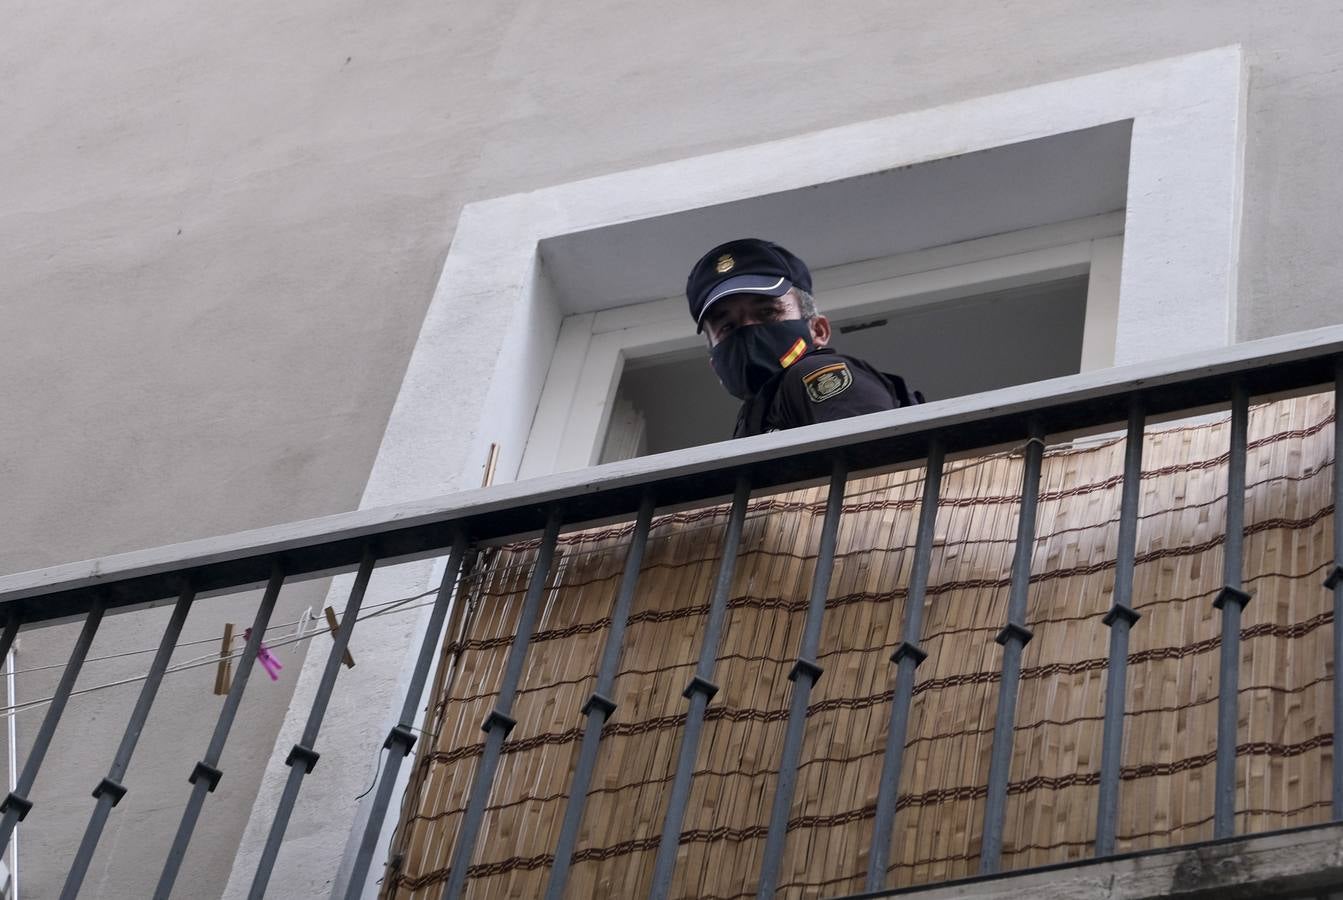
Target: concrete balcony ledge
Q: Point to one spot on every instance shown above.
(1295, 863)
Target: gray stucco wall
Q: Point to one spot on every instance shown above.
(220, 227)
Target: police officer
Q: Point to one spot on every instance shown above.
(771, 348)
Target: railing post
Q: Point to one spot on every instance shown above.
(1013, 638)
(1335, 584)
(1120, 618)
(12, 623)
(16, 805)
(500, 721)
(205, 776)
(700, 690)
(1231, 601)
(907, 658)
(109, 791)
(804, 675)
(401, 738)
(599, 706)
(302, 757)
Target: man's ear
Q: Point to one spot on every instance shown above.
(820, 331)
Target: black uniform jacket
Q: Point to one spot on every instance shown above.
(820, 387)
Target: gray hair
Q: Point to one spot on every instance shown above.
(806, 303)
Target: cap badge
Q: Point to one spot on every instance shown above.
(724, 263)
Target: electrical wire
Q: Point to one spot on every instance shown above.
(377, 773)
(210, 640)
(214, 659)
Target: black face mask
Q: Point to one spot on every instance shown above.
(753, 354)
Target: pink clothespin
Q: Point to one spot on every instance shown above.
(266, 658)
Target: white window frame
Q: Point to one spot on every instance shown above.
(575, 407)
(496, 321)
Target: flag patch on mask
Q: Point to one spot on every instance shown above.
(827, 381)
(795, 352)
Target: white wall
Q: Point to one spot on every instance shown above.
(221, 228)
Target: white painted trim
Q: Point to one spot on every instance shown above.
(902, 293)
(557, 396)
(580, 438)
(870, 270)
(1102, 316)
(997, 246)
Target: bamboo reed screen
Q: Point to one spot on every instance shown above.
(1285, 731)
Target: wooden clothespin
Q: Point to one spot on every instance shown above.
(224, 674)
(331, 624)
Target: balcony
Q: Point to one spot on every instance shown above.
(1058, 625)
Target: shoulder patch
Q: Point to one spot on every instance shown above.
(827, 381)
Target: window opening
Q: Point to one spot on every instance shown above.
(952, 348)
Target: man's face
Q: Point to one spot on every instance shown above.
(736, 310)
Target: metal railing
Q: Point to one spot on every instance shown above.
(188, 573)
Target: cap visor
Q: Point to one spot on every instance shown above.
(769, 285)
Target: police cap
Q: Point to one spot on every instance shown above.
(745, 266)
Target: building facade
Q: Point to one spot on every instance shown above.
(263, 266)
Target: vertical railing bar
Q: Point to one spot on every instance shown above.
(598, 707)
(109, 791)
(907, 658)
(12, 622)
(302, 757)
(16, 804)
(1335, 584)
(1013, 638)
(1120, 618)
(700, 690)
(401, 738)
(804, 675)
(500, 721)
(11, 733)
(11, 632)
(206, 774)
(1231, 601)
